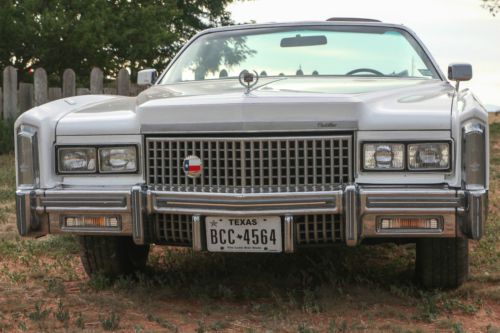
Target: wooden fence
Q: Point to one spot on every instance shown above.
(17, 97)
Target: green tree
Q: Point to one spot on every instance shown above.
(493, 6)
(110, 34)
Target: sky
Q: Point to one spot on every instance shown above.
(452, 30)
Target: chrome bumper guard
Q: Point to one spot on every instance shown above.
(463, 212)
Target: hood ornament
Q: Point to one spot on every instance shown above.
(248, 79)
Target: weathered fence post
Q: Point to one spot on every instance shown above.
(96, 81)
(25, 96)
(69, 83)
(55, 93)
(9, 93)
(82, 91)
(40, 81)
(1, 103)
(123, 82)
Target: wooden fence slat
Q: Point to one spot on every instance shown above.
(1, 103)
(123, 82)
(40, 82)
(55, 93)
(9, 93)
(96, 81)
(110, 91)
(69, 83)
(82, 91)
(25, 96)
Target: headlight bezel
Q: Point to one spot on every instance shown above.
(406, 159)
(27, 132)
(98, 170)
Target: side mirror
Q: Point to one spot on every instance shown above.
(459, 72)
(147, 77)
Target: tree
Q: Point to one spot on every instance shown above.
(493, 6)
(110, 34)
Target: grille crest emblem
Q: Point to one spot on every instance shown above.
(192, 166)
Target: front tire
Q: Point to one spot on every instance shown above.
(442, 263)
(112, 256)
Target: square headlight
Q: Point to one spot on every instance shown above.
(76, 160)
(429, 156)
(118, 159)
(383, 156)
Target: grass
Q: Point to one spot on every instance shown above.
(339, 289)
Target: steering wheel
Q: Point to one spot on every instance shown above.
(365, 70)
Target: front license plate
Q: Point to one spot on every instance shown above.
(243, 234)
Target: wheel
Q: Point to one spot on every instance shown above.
(442, 262)
(112, 256)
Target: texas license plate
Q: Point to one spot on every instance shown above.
(243, 234)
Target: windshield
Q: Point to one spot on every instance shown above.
(303, 51)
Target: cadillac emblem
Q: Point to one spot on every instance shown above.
(192, 166)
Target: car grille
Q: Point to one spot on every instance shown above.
(258, 164)
(318, 229)
(174, 229)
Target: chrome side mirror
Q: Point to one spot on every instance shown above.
(459, 72)
(147, 77)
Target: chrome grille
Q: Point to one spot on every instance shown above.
(256, 163)
(173, 229)
(318, 229)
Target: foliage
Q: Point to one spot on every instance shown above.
(493, 6)
(80, 34)
(6, 135)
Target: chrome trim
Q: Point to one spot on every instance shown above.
(357, 206)
(95, 201)
(351, 214)
(288, 236)
(225, 204)
(259, 164)
(197, 233)
(137, 199)
(23, 212)
(477, 213)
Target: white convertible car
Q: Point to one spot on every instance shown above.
(267, 138)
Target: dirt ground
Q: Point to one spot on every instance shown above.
(43, 287)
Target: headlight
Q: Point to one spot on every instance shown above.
(429, 156)
(118, 159)
(27, 156)
(383, 156)
(77, 160)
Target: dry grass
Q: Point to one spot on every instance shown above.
(369, 288)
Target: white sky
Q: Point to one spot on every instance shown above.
(453, 30)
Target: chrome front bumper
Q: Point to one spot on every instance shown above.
(463, 212)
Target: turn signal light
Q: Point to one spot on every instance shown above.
(409, 223)
(92, 221)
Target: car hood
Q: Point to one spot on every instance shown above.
(274, 104)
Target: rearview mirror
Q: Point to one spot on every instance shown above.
(147, 77)
(459, 72)
(299, 40)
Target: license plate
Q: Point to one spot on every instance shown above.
(243, 234)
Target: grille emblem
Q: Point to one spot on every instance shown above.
(192, 166)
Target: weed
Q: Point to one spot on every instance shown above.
(80, 323)
(99, 282)
(40, 313)
(218, 325)
(163, 323)
(62, 314)
(201, 328)
(338, 327)
(111, 322)
(304, 328)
